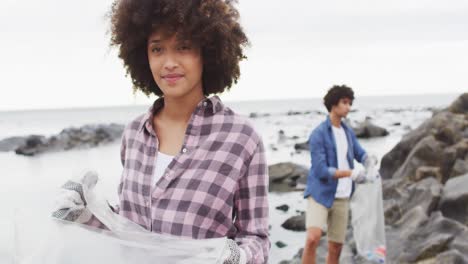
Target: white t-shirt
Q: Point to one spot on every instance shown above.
(162, 161)
(344, 184)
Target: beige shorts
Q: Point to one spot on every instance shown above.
(335, 219)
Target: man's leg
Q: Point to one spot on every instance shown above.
(334, 251)
(337, 225)
(312, 241)
(316, 219)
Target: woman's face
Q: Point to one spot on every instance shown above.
(176, 65)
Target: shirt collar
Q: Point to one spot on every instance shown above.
(213, 104)
(329, 123)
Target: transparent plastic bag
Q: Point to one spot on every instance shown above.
(368, 221)
(42, 239)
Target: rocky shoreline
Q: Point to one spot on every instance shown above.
(70, 138)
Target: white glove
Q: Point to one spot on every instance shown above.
(372, 174)
(370, 161)
(70, 204)
(234, 254)
(358, 176)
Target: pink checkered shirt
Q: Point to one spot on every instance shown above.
(216, 186)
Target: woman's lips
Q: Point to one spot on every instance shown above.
(172, 78)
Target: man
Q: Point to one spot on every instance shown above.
(331, 179)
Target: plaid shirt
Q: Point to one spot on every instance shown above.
(216, 186)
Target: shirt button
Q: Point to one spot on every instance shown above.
(205, 103)
(147, 203)
(184, 150)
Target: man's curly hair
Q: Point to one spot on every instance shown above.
(211, 24)
(335, 94)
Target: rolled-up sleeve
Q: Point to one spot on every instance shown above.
(251, 202)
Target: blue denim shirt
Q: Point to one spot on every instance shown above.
(320, 182)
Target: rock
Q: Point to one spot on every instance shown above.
(291, 113)
(71, 138)
(32, 145)
(394, 188)
(392, 211)
(396, 124)
(448, 161)
(454, 202)
(295, 223)
(426, 172)
(460, 106)
(451, 257)
(281, 136)
(11, 143)
(253, 115)
(280, 244)
(434, 126)
(427, 152)
(283, 207)
(460, 243)
(302, 146)
(296, 259)
(256, 115)
(368, 130)
(284, 177)
(424, 194)
(411, 220)
(430, 239)
(460, 167)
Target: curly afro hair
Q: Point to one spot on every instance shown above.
(335, 94)
(211, 24)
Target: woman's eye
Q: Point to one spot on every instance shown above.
(184, 47)
(156, 49)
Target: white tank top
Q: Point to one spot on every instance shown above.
(162, 161)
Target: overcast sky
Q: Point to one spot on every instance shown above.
(54, 53)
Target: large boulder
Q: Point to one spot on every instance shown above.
(402, 229)
(368, 130)
(429, 240)
(445, 127)
(424, 194)
(427, 152)
(454, 202)
(71, 138)
(460, 105)
(286, 177)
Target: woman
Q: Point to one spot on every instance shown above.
(191, 166)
